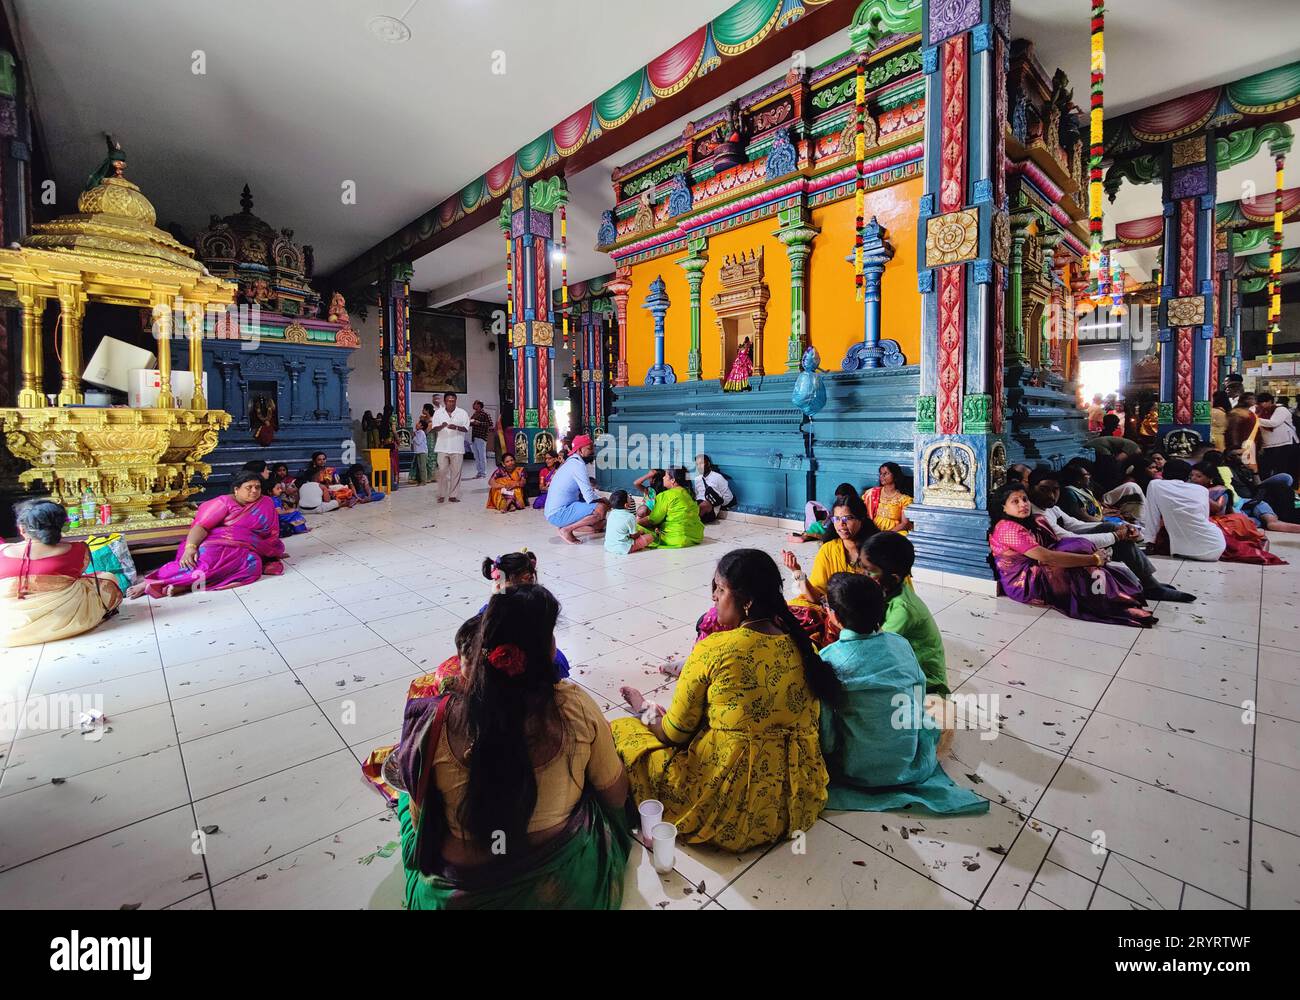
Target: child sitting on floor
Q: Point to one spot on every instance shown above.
(887, 557)
(622, 534)
(881, 745)
(291, 521)
(551, 463)
(357, 478)
(515, 569)
(314, 495)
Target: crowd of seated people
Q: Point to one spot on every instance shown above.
(767, 727)
(1077, 538)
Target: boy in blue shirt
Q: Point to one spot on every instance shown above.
(881, 745)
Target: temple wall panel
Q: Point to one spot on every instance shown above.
(776, 275)
(834, 314)
(677, 321)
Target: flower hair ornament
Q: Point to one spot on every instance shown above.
(509, 659)
(498, 578)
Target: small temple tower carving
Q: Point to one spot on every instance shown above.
(741, 307)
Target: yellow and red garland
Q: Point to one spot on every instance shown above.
(1095, 150)
(859, 183)
(1275, 259)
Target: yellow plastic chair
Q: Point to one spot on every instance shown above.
(379, 470)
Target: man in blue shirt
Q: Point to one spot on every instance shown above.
(571, 501)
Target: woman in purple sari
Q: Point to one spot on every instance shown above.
(233, 541)
(1069, 574)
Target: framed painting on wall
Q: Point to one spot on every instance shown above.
(437, 353)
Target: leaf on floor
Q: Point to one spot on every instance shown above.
(212, 828)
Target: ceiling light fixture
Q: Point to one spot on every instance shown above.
(389, 29)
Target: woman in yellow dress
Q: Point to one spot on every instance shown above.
(506, 487)
(887, 503)
(842, 554)
(735, 758)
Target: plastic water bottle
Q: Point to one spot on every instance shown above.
(88, 507)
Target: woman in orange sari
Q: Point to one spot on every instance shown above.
(887, 503)
(506, 487)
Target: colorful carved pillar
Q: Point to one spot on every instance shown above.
(660, 373)
(32, 393)
(797, 234)
(1224, 296)
(601, 312)
(1187, 311)
(1054, 360)
(619, 288)
(964, 246)
(1017, 351)
(397, 346)
(872, 351)
(693, 264)
(532, 338)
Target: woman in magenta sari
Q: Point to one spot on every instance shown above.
(233, 541)
(1069, 574)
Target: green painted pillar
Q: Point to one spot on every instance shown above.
(693, 264)
(797, 234)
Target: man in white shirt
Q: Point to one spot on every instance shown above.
(1121, 539)
(1184, 510)
(450, 424)
(1278, 448)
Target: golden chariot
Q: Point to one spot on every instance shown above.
(142, 461)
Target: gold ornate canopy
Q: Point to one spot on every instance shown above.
(140, 460)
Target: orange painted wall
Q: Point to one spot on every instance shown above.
(834, 314)
(776, 273)
(641, 324)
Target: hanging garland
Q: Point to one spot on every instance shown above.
(564, 274)
(1275, 259)
(859, 184)
(1096, 148)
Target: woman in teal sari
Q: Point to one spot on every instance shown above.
(512, 794)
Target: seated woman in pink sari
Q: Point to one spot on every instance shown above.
(506, 487)
(1069, 574)
(234, 540)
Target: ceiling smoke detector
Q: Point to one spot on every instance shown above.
(389, 29)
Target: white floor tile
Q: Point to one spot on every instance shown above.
(280, 689)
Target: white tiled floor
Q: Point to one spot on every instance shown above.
(246, 713)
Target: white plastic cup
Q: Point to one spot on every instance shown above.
(652, 811)
(665, 844)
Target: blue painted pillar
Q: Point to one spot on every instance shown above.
(1186, 319)
(657, 302)
(873, 352)
(964, 244)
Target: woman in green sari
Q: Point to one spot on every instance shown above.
(512, 794)
(675, 517)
